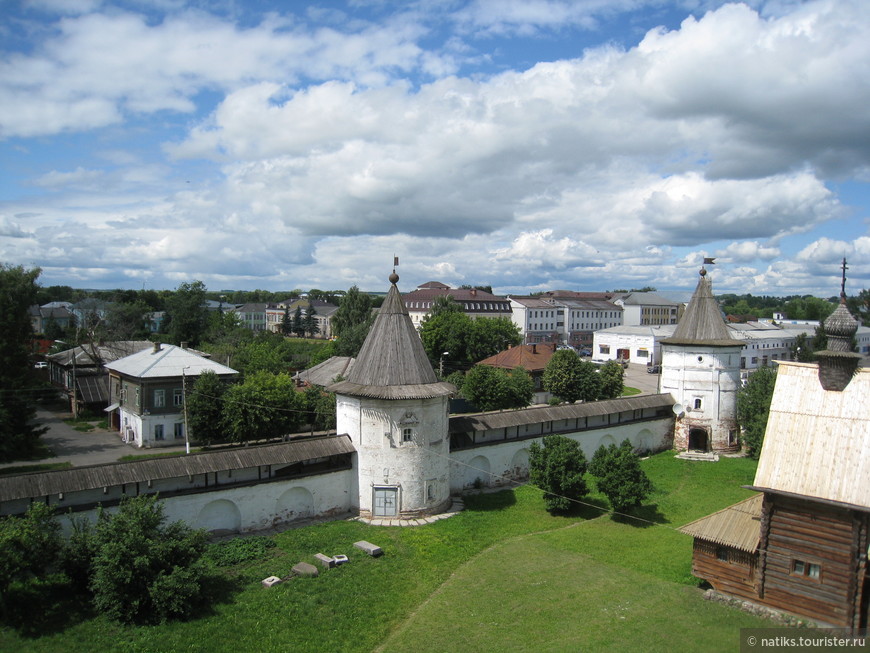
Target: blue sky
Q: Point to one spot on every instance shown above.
(525, 144)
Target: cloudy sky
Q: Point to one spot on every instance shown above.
(525, 144)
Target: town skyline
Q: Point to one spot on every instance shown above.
(530, 147)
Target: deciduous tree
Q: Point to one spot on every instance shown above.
(571, 378)
(265, 406)
(557, 467)
(611, 376)
(187, 313)
(205, 407)
(145, 570)
(620, 476)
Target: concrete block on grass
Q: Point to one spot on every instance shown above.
(368, 547)
(270, 581)
(325, 561)
(306, 570)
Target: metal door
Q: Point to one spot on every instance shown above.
(385, 502)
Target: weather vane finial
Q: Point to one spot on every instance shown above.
(394, 278)
(707, 261)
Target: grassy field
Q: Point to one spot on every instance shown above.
(504, 574)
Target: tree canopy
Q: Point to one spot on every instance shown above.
(18, 436)
(205, 408)
(352, 321)
(187, 313)
(620, 476)
(557, 467)
(467, 341)
(570, 378)
(264, 406)
(491, 388)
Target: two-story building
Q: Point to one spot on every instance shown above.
(473, 301)
(147, 391)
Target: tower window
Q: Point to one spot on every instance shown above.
(697, 403)
(407, 435)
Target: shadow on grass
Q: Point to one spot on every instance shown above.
(486, 501)
(642, 517)
(44, 607)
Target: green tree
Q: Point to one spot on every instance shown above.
(286, 322)
(298, 322)
(311, 327)
(187, 313)
(558, 467)
(354, 309)
(19, 438)
(263, 353)
(53, 330)
(29, 546)
(619, 476)
(611, 377)
(319, 409)
(571, 378)
(265, 406)
(447, 329)
(753, 408)
(802, 350)
(491, 335)
(128, 321)
(205, 407)
(145, 570)
(491, 388)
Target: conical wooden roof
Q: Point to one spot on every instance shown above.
(702, 323)
(392, 363)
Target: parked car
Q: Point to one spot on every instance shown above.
(653, 369)
(585, 352)
(41, 365)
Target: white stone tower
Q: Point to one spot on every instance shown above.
(701, 370)
(395, 411)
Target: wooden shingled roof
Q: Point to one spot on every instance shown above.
(392, 363)
(702, 323)
(817, 442)
(538, 414)
(92, 477)
(737, 526)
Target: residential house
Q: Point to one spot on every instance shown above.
(323, 312)
(81, 374)
(147, 392)
(475, 303)
(90, 311)
(252, 315)
(57, 312)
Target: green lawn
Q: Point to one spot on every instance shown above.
(503, 575)
(41, 467)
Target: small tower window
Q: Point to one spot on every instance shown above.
(697, 403)
(407, 435)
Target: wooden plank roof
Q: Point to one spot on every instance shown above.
(702, 323)
(392, 363)
(817, 442)
(538, 414)
(737, 526)
(92, 477)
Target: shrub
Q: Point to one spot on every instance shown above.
(557, 467)
(620, 477)
(145, 571)
(239, 550)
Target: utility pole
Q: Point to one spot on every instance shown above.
(184, 408)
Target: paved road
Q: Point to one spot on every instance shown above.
(92, 448)
(636, 376)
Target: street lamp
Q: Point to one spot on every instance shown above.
(441, 363)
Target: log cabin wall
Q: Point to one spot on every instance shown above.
(812, 565)
(729, 570)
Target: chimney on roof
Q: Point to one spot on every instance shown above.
(474, 292)
(554, 346)
(184, 345)
(534, 348)
(156, 347)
